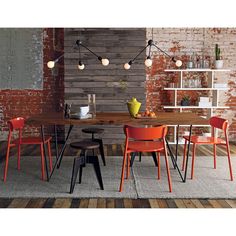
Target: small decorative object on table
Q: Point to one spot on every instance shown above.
(82, 114)
(185, 100)
(145, 115)
(218, 62)
(92, 104)
(133, 106)
(67, 110)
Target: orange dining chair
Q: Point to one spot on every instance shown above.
(140, 142)
(18, 124)
(216, 123)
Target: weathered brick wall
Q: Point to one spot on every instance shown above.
(182, 42)
(29, 102)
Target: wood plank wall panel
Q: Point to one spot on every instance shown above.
(112, 85)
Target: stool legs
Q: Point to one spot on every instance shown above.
(79, 164)
(101, 150)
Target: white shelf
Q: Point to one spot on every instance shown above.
(195, 107)
(195, 89)
(197, 70)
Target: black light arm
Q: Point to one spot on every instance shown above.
(79, 43)
(131, 61)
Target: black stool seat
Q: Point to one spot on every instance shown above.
(85, 145)
(93, 130)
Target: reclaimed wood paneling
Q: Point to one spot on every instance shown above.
(112, 85)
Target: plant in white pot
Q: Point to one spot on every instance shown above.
(218, 62)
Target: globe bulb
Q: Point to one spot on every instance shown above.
(105, 62)
(127, 66)
(81, 67)
(148, 62)
(51, 64)
(178, 63)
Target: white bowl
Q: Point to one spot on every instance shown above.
(83, 110)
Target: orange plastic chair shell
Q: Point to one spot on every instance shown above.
(216, 123)
(18, 125)
(138, 140)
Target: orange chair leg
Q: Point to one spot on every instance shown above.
(50, 156)
(193, 159)
(123, 172)
(168, 171)
(18, 157)
(42, 161)
(184, 156)
(229, 160)
(6, 164)
(128, 166)
(214, 151)
(159, 166)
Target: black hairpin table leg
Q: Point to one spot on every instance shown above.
(44, 151)
(60, 156)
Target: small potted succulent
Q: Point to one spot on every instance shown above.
(185, 100)
(218, 62)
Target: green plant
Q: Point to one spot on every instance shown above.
(186, 98)
(217, 52)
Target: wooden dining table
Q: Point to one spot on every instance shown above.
(117, 118)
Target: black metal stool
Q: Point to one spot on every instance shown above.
(94, 131)
(82, 160)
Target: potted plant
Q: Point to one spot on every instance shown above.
(185, 100)
(218, 62)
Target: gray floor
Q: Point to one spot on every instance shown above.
(143, 183)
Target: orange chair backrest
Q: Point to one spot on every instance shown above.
(16, 123)
(150, 133)
(219, 123)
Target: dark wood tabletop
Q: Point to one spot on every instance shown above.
(117, 118)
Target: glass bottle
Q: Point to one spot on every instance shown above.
(92, 104)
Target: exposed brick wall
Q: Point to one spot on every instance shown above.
(181, 42)
(29, 102)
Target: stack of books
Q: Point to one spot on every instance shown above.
(205, 102)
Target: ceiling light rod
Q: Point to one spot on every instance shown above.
(148, 61)
(104, 61)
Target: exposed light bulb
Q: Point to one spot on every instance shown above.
(51, 64)
(148, 62)
(81, 66)
(178, 63)
(105, 62)
(127, 66)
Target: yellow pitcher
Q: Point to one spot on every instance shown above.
(133, 106)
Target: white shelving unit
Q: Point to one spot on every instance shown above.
(215, 92)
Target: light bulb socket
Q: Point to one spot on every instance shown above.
(78, 42)
(130, 63)
(148, 57)
(80, 63)
(173, 59)
(99, 58)
(150, 42)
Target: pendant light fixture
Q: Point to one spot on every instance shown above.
(148, 61)
(81, 66)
